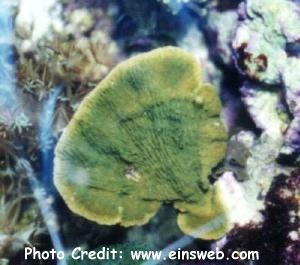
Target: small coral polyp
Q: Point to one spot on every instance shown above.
(148, 134)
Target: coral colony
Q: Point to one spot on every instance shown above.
(159, 148)
(166, 125)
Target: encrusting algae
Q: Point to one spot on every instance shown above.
(148, 134)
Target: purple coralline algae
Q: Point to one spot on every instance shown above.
(277, 237)
(253, 161)
(266, 52)
(265, 108)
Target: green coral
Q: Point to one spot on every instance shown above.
(148, 134)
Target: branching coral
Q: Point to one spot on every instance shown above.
(148, 134)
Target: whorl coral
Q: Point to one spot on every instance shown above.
(148, 134)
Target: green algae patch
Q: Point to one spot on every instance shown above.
(147, 134)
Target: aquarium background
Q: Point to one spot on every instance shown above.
(54, 52)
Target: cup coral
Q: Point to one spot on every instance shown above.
(147, 134)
